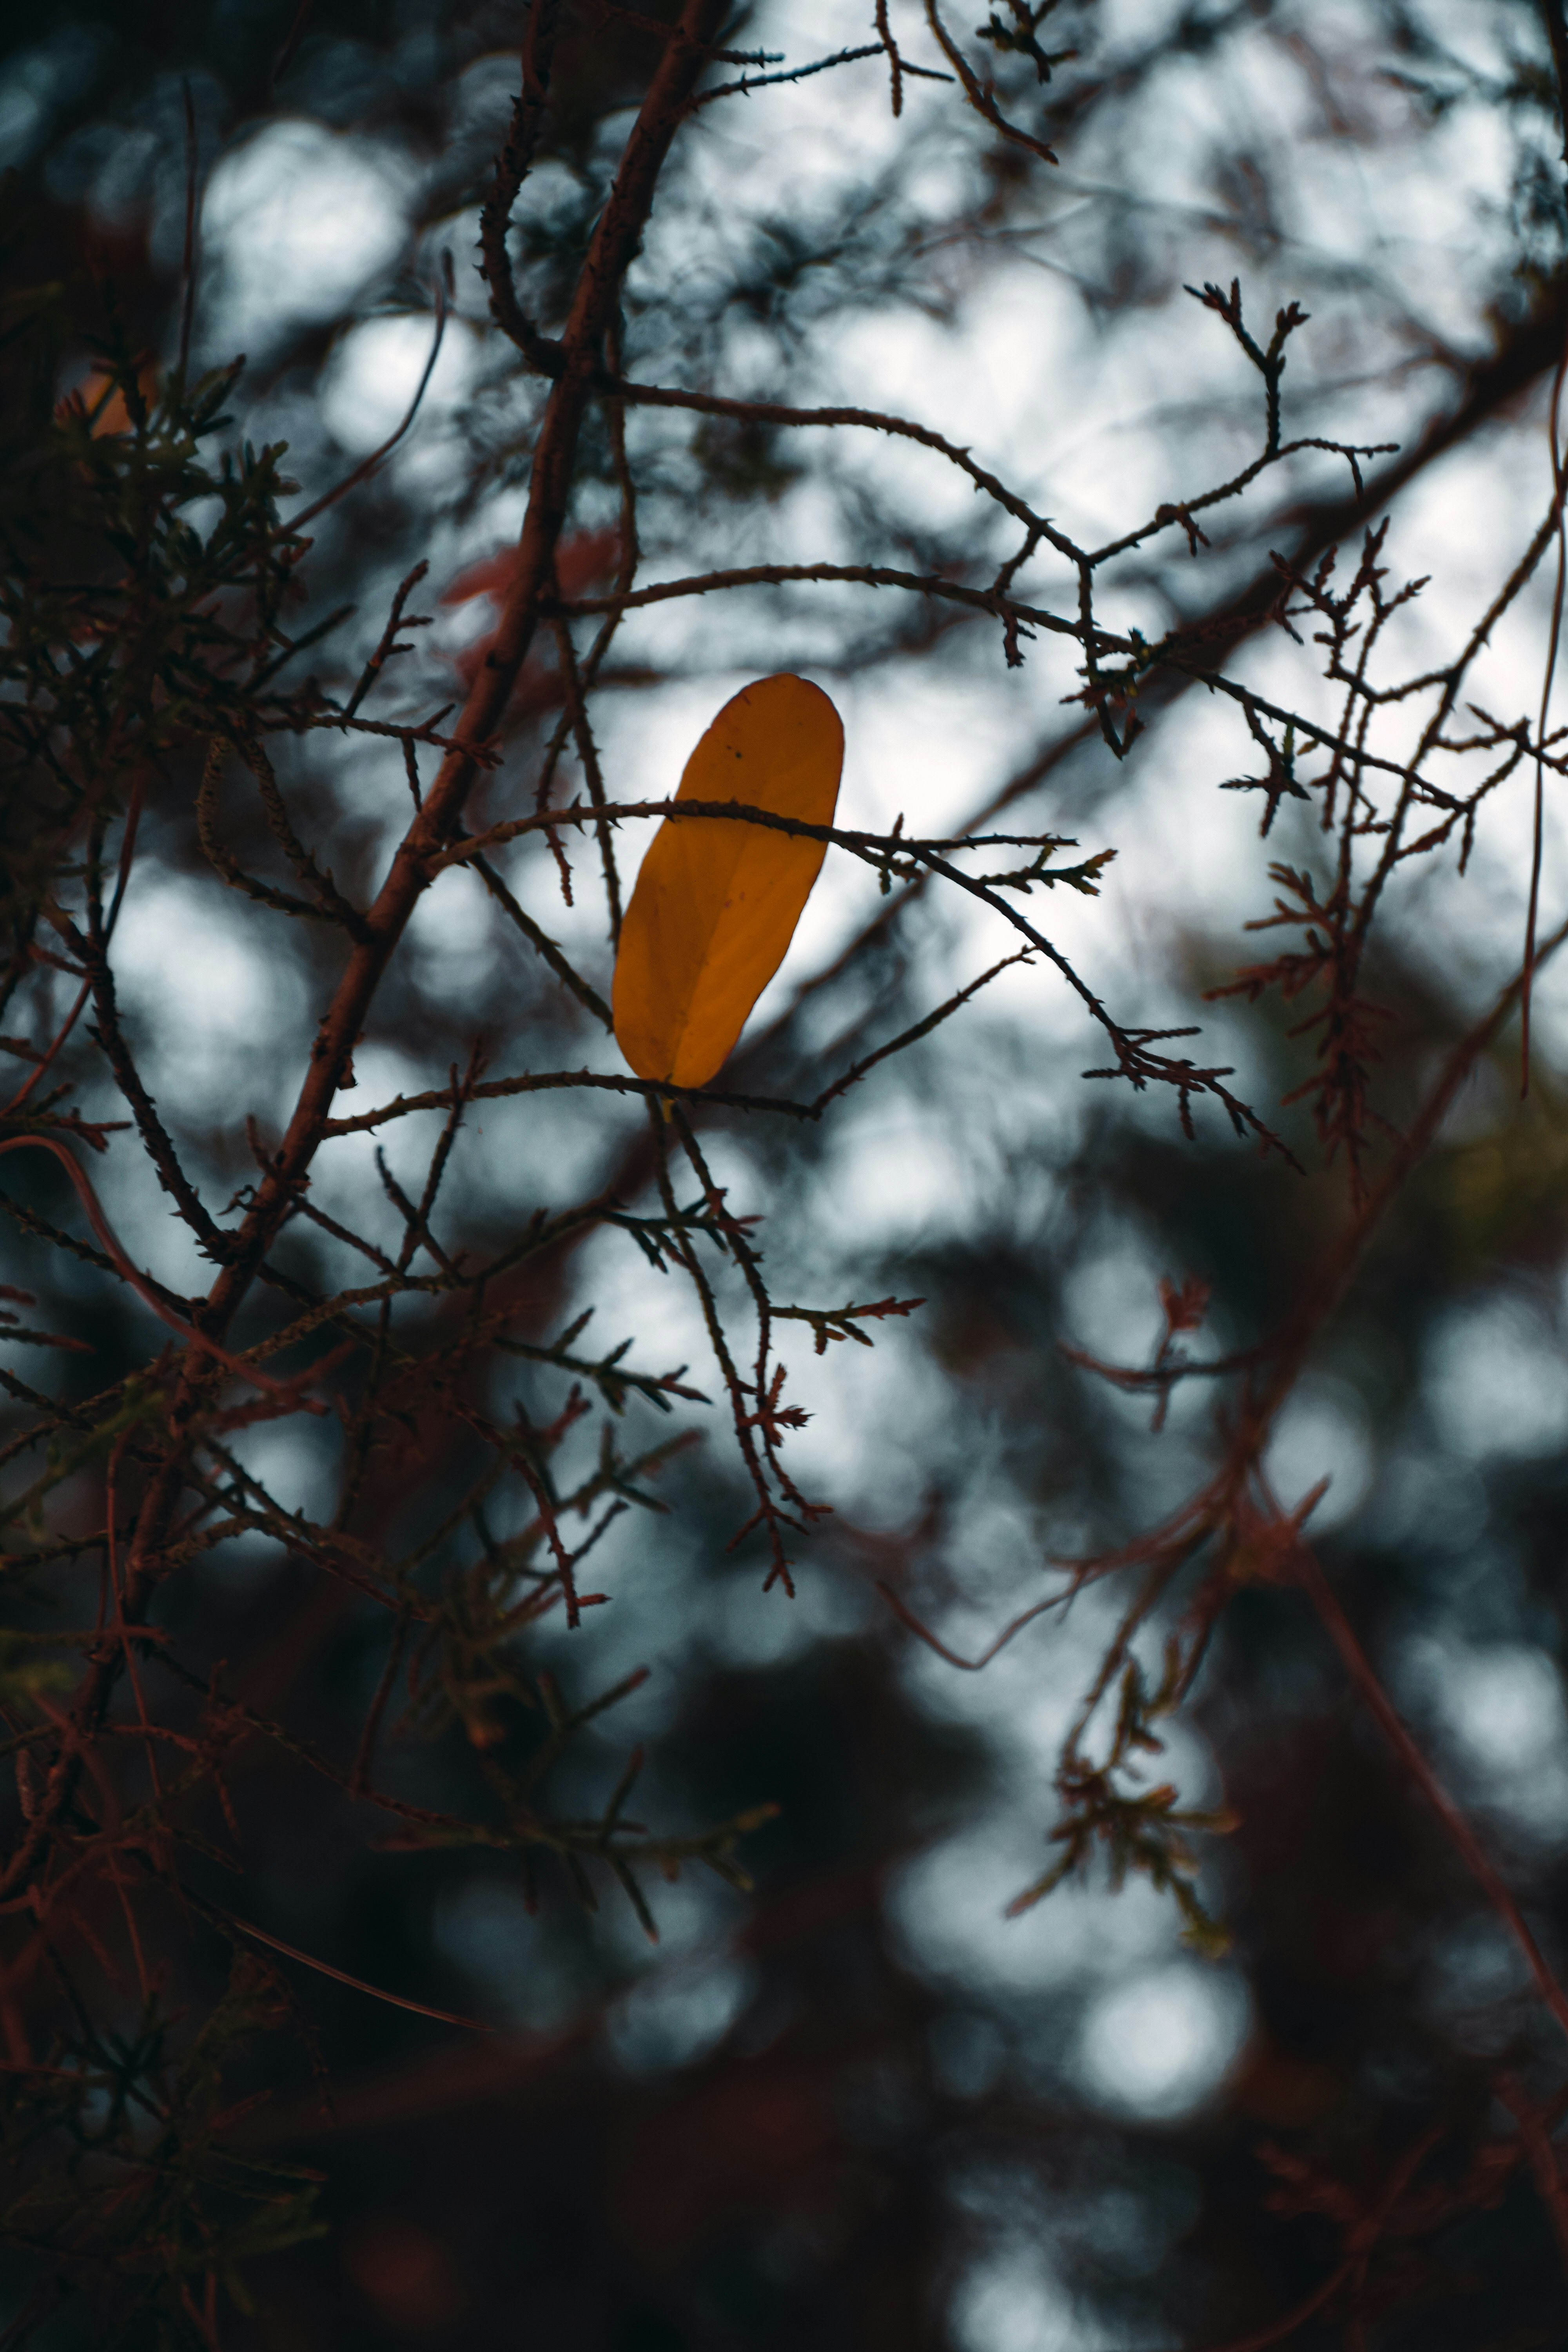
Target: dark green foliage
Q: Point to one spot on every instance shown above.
(117, 2176)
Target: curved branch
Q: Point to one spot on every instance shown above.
(512, 166)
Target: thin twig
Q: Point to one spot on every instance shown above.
(1460, 1836)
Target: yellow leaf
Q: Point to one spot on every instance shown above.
(716, 904)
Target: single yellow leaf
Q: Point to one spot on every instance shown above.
(716, 904)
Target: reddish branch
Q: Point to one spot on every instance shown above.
(453, 1672)
(614, 242)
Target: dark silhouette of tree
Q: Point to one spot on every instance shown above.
(524, 1732)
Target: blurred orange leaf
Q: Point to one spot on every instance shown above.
(587, 560)
(110, 414)
(716, 904)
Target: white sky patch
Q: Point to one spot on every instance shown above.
(344, 1177)
(1011, 2300)
(1497, 1380)
(1160, 2045)
(947, 1913)
(1110, 1303)
(299, 219)
(1323, 1432)
(198, 986)
(451, 930)
(1476, 1964)
(678, 2017)
(295, 1462)
(879, 1424)
(146, 1223)
(375, 372)
(1026, 1700)
(1500, 1711)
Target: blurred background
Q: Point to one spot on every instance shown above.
(862, 2108)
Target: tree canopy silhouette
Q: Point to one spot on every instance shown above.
(784, 1520)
